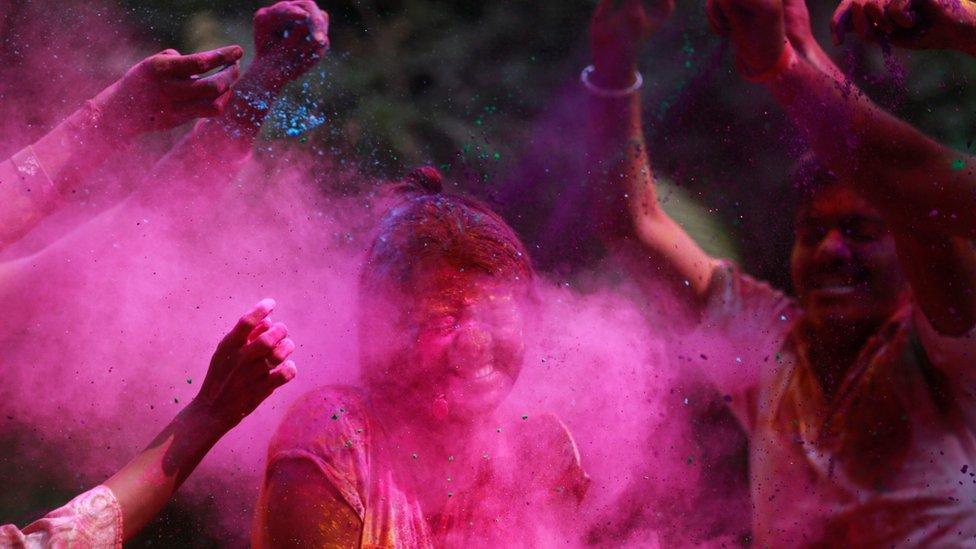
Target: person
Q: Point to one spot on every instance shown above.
(419, 455)
(711, 508)
(250, 362)
(855, 394)
(161, 92)
(290, 37)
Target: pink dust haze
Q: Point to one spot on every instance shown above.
(114, 306)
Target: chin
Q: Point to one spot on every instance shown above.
(836, 315)
(469, 401)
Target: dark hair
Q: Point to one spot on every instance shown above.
(426, 223)
(809, 176)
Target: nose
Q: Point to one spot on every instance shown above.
(472, 340)
(833, 247)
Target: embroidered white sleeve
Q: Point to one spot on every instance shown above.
(91, 520)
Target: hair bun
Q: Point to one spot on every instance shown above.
(426, 179)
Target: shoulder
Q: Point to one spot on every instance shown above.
(955, 355)
(323, 420)
(732, 292)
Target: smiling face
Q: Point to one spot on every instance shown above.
(469, 339)
(457, 338)
(443, 290)
(844, 266)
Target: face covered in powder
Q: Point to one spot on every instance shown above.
(453, 346)
(467, 342)
(844, 266)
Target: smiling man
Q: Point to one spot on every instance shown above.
(857, 395)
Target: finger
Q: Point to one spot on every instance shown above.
(320, 32)
(297, 26)
(297, 32)
(168, 51)
(258, 369)
(262, 346)
(900, 11)
(283, 21)
(200, 108)
(308, 5)
(209, 87)
(292, 12)
(262, 327)
(281, 351)
(281, 375)
(840, 23)
(860, 22)
(249, 321)
(199, 63)
(876, 18)
(221, 102)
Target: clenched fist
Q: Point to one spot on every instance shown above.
(915, 24)
(756, 28)
(290, 37)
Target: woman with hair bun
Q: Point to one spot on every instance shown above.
(419, 455)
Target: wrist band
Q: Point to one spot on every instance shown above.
(604, 92)
(786, 60)
(90, 118)
(34, 177)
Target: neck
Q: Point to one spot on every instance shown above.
(411, 422)
(832, 349)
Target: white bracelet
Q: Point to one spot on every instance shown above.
(603, 92)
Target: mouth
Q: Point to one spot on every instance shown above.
(478, 387)
(837, 284)
(835, 290)
(483, 373)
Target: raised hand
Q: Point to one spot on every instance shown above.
(756, 28)
(796, 17)
(166, 90)
(289, 37)
(915, 24)
(248, 365)
(618, 30)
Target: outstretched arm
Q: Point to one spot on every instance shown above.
(160, 92)
(248, 365)
(914, 24)
(623, 179)
(289, 38)
(904, 172)
(917, 183)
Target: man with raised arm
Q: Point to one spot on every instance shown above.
(857, 394)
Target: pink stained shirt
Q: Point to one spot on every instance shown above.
(526, 472)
